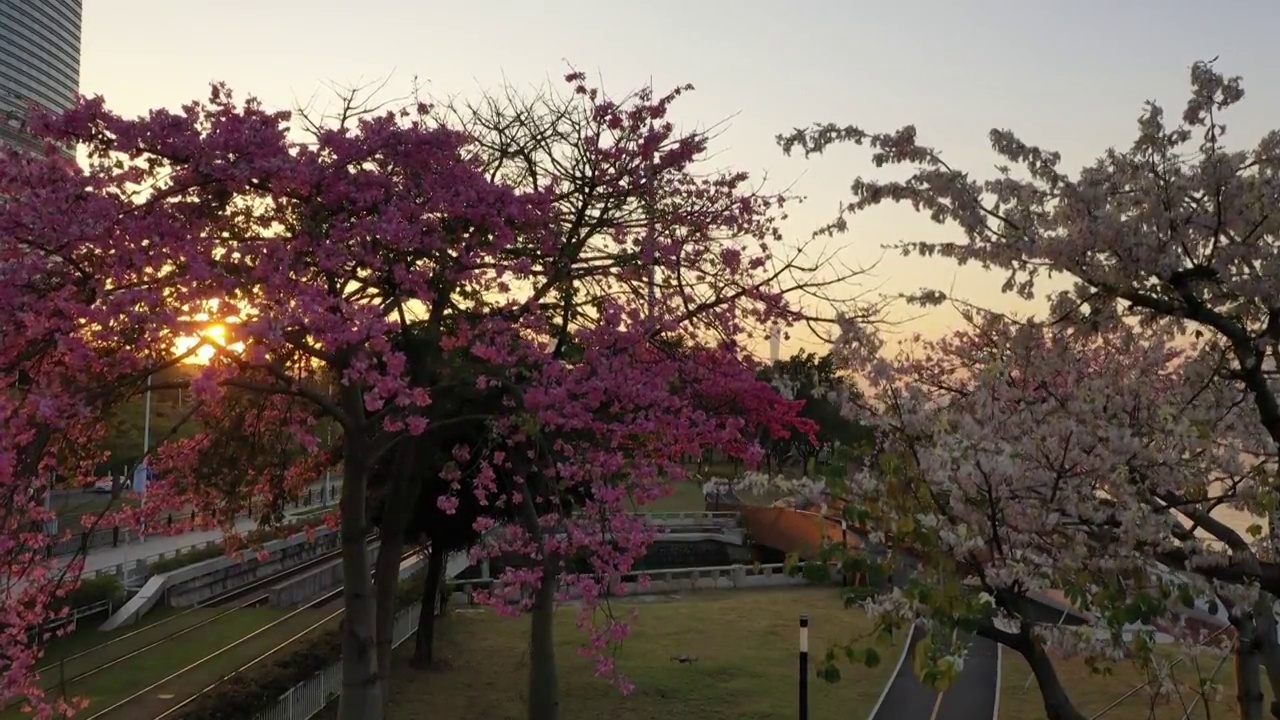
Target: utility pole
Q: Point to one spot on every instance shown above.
(650, 177)
(146, 422)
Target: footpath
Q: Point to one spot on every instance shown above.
(105, 559)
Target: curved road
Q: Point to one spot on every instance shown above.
(972, 695)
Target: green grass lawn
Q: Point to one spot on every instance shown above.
(745, 642)
(104, 688)
(1092, 693)
(87, 637)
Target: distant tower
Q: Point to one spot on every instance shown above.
(775, 344)
(39, 62)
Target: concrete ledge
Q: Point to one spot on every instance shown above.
(311, 584)
(205, 580)
(730, 577)
(189, 585)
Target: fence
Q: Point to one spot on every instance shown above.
(684, 517)
(103, 606)
(309, 697)
(135, 567)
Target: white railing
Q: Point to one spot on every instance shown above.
(304, 700)
(721, 577)
(690, 516)
(102, 606)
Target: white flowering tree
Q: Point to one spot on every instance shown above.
(1018, 461)
(1153, 379)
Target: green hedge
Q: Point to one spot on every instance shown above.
(93, 591)
(246, 695)
(253, 537)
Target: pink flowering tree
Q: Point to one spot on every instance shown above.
(311, 253)
(579, 447)
(1176, 231)
(81, 335)
(348, 266)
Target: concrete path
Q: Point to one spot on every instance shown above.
(102, 558)
(972, 695)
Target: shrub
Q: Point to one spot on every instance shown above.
(93, 591)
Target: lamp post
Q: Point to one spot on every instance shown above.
(328, 469)
(139, 480)
(804, 667)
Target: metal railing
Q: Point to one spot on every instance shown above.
(115, 536)
(718, 577)
(72, 617)
(137, 568)
(304, 700)
(694, 516)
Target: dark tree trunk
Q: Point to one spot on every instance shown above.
(1057, 704)
(544, 682)
(397, 509)
(361, 687)
(424, 641)
(1248, 669)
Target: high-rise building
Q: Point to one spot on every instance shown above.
(39, 61)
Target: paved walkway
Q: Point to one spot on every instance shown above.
(102, 558)
(971, 696)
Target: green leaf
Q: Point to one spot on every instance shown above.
(829, 673)
(789, 564)
(871, 658)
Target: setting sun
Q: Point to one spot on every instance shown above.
(213, 337)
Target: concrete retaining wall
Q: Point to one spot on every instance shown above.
(202, 580)
(191, 585)
(311, 584)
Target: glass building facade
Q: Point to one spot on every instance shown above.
(39, 61)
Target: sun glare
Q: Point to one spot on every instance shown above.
(212, 337)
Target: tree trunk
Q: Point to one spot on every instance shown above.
(1269, 646)
(399, 501)
(361, 687)
(544, 683)
(1248, 665)
(386, 582)
(1057, 704)
(424, 642)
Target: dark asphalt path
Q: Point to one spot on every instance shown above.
(972, 695)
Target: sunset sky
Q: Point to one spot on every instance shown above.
(1067, 75)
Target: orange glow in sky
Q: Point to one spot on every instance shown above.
(214, 335)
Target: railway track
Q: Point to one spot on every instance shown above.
(125, 648)
(165, 698)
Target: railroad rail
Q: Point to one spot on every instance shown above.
(330, 601)
(257, 592)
